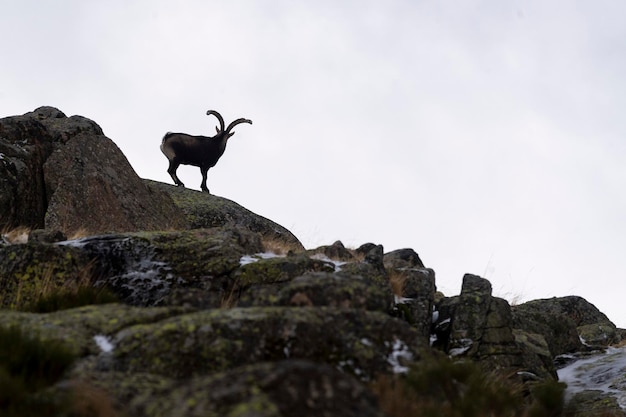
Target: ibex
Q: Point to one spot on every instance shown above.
(199, 151)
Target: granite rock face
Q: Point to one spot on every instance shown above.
(62, 173)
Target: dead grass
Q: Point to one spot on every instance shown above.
(397, 280)
(444, 388)
(48, 291)
(277, 246)
(17, 235)
(230, 298)
(78, 234)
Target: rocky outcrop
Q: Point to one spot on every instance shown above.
(62, 173)
(478, 326)
(225, 313)
(566, 322)
(203, 211)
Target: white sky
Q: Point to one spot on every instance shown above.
(489, 136)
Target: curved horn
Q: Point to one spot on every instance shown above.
(236, 122)
(219, 117)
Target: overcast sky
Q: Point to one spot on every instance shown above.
(489, 136)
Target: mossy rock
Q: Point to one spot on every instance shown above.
(30, 270)
(279, 270)
(284, 388)
(204, 210)
(358, 342)
(77, 327)
(325, 289)
(144, 269)
(536, 356)
(593, 403)
(599, 334)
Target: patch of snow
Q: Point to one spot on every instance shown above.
(435, 316)
(401, 300)
(466, 344)
(248, 259)
(366, 342)
(400, 352)
(604, 372)
(104, 343)
(433, 339)
(446, 321)
(1, 156)
(322, 257)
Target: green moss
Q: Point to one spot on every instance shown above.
(258, 405)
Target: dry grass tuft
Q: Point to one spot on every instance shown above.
(397, 280)
(277, 246)
(18, 235)
(49, 292)
(78, 234)
(443, 388)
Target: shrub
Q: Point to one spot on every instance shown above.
(442, 387)
(61, 299)
(29, 369)
(28, 366)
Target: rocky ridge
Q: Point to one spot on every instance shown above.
(223, 312)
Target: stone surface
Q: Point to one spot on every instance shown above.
(323, 289)
(402, 258)
(542, 317)
(202, 210)
(416, 301)
(358, 342)
(62, 173)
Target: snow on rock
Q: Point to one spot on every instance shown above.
(400, 354)
(604, 372)
(248, 259)
(104, 343)
(466, 344)
(322, 257)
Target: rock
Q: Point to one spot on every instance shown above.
(284, 388)
(325, 289)
(417, 294)
(337, 252)
(536, 357)
(46, 236)
(145, 269)
(479, 327)
(402, 258)
(371, 267)
(28, 270)
(357, 342)
(470, 316)
(599, 334)
(593, 403)
(77, 327)
(205, 211)
(24, 146)
(545, 318)
(62, 173)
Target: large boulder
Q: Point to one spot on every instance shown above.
(62, 173)
(201, 210)
(414, 289)
(566, 323)
(285, 388)
(480, 327)
(322, 289)
(358, 342)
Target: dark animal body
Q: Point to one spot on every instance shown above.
(199, 151)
